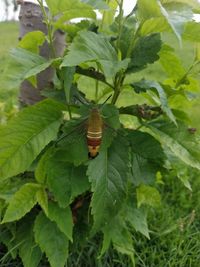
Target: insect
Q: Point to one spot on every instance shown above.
(94, 132)
(92, 127)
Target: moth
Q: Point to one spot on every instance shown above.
(94, 126)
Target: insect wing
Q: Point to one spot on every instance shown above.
(72, 146)
(110, 116)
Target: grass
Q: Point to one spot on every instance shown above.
(175, 237)
(9, 39)
(174, 226)
(8, 99)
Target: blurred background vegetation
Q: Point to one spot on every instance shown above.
(174, 226)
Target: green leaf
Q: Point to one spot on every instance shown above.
(137, 218)
(148, 195)
(143, 170)
(26, 135)
(146, 146)
(27, 58)
(67, 77)
(10, 186)
(177, 14)
(109, 15)
(31, 63)
(21, 63)
(147, 157)
(171, 63)
(192, 31)
(24, 65)
(40, 171)
(66, 181)
(179, 140)
(96, 4)
(193, 3)
(145, 85)
(128, 30)
(32, 41)
(108, 175)
(51, 241)
(145, 52)
(154, 25)
(122, 242)
(110, 115)
(29, 252)
(148, 9)
(37, 69)
(89, 46)
(175, 17)
(180, 170)
(62, 217)
(73, 145)
(22, 202)
(70, 9)
(117, 233)
(42, 199)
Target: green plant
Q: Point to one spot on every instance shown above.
(53, 198)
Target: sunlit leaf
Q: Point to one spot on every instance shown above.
(192, 31)
(148, 195)
(32, 41)
(70, 9)
(154, 25)
(108, 15)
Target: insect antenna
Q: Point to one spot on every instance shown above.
(106, 100)
(81, 100)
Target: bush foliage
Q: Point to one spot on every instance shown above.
(52, 195)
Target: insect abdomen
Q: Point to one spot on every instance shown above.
(94, 132)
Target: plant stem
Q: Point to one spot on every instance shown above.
(69, 111)
(48, 23)
(96, 88)
(120, 26)
(135, 34)
(119, 79)
(179, 82)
